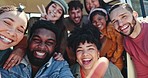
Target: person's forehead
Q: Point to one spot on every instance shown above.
(75, 9)
(18, 17)
(118, 11)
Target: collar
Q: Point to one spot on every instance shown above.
(26, 62)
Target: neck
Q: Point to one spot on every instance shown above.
(34, 70)
(85, 71)
(137, 30)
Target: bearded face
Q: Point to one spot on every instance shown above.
(41, 47)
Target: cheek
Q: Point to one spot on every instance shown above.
(19, 37)
(97, 4)
(78, 56)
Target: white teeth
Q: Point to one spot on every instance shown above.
(99, 26)
(40, 54)
(86, 59)
(52, 13)
(5, 39)
(124, 27)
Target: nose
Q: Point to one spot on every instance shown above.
(76, 15)
(54, 11)
(85, 53)
(42, 46)
(120, 22)
(12, 32)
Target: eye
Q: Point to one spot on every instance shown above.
(53, 5)
(21, 29)
(60, 11)
(36, 40)
(91, 49)
(123, 17)
(79, 51)
(50, 43)
(7, 22)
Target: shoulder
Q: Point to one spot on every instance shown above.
(113, 72)
(75, 69)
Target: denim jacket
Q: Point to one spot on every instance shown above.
(52, 69)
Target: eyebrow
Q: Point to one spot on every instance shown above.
(9, 18)
(86, 46)
(119, 16)
(13, 21)
(47, 39)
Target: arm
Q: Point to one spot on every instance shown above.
(101, 66)
(17, 54)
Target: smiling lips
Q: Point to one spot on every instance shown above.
(40, 54)
(124, 28)
(5, 40)
(52, 13)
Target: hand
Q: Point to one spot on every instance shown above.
(14, 59)
(58, 56)
(43, 13)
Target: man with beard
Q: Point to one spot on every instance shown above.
(135, 40)
(39, 61)
(75, 19)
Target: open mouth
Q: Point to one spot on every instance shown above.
(52, 13)
(40, 54)
(124, 28)
(86, 61)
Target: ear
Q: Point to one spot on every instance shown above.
(135, 14)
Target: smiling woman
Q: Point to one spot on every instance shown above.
(12, 27)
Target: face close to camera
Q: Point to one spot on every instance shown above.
(76, 15)
(12, 28)
(41, 47)
(123, 20)
(54, 12)
(87, 55)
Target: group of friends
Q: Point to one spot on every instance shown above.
(78, 46)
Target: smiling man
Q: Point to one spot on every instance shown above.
(135, 41)
(39, 61)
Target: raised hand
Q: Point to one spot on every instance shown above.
(43, 12)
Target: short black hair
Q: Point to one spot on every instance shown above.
(87, 33)
(44, 24)
(124, 5)
(75, 4)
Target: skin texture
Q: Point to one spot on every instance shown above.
(41, 48)
(12, 27)
(76, 15)
(99, 21)
(125, 22)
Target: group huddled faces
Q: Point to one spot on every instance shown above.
(81, 45)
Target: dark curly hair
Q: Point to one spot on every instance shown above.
(87, 33)
(44, 24)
